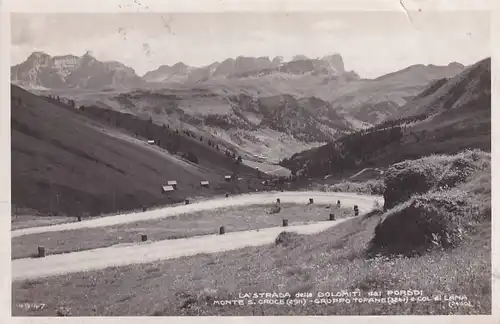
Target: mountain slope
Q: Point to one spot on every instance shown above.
(468, 89)
(373, 101)
(451, 118)
(65, 163)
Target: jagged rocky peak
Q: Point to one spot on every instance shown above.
(336, 61)
(277, 61)
(456, 65)
(40, 58)
(179, 65)
(38, 55)
(180, 68)
(88, 58)
(66, 59)
(246, 64)
(225, 67)
(164, 67)
(114, 65)
(228, 60)
(161, 71)
(66, 64)
(299, 57)
(58, 72)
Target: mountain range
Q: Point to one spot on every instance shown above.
(245, 67)
(256, 105)
(40, 70)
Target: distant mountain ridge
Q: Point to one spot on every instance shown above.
(429, 71)
(41, 70)
(244, 66)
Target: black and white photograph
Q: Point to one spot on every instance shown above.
(239, 163)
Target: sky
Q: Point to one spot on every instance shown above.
(371, 43)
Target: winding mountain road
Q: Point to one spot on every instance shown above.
(126, 254)
(364, 202)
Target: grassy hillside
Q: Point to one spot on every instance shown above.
(448, 120)
(65, 163)
(205, 152)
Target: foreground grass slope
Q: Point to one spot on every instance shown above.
(341, 258)
(63, 163)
